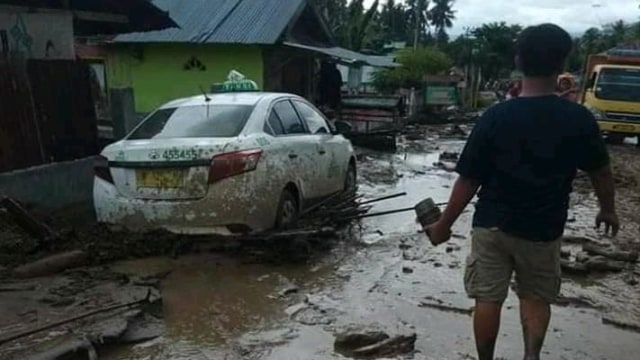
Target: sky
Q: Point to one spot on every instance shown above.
(574, 15)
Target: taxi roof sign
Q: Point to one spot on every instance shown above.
(236, 82)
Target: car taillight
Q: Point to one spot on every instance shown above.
(231, 164)
(101, 169)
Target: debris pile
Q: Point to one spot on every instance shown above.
(372, 343)
(594, 257)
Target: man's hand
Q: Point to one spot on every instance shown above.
(438, 233)
(611, 222)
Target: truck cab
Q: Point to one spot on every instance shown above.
(612, 93)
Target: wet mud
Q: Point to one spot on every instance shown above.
(380, 277)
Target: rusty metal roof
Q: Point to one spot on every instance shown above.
(141, 15)
(223, 21)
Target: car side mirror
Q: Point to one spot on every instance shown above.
(342, 128)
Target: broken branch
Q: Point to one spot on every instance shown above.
(74, 318)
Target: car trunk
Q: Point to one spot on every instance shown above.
(164, 169)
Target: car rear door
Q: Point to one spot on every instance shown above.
(333, 154)
(301, 149)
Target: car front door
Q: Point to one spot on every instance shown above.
(333, 155)
(301, 150)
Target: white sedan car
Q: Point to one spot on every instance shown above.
(223, 163)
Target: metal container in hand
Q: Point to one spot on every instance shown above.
(427, 212)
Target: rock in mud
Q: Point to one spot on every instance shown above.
(450, 156)
(631, 280)
(446, 165)
(51, 264)
(407, 270)
(369, 343)
(142, 328)
(565, 253)
(288, 291)
(601, 263)
(66, 348)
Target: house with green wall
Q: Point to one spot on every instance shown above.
(275, 43)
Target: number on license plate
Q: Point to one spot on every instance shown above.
(161, 179)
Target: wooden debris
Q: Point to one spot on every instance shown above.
(628, 256)
(600, 263)
(74, 318)
(26, 221)
(389, 347)
(51, 264)
(382, 198)
(621, 322)
(16, 288)
(447, 308)
(578, 240)
(572, 267)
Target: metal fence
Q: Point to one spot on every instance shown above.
(46, 112)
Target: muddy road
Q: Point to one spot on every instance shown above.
(384, 275)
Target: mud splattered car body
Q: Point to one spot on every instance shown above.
(222, 163)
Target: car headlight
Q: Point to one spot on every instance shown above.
(599, 115)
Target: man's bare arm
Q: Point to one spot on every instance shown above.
(602, 181)
(463, 191)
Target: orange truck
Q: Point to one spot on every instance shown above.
(611, 90)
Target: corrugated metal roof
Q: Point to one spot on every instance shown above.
(348, 56)
(142, 15)
(222, 21)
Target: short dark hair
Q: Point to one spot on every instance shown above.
(542, 50)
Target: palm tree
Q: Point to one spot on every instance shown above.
(592, 42)
(616, 33)
(418, 20)
(359, 22)
(441, 16)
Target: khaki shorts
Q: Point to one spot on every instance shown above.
(496, 255)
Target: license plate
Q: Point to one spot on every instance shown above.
(624, 127)
(161, 179)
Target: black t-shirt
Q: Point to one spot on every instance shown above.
(525, 152)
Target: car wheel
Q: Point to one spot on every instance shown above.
(350, 181)
(287, 210)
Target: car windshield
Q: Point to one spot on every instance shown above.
(619, 84)
(197, 121)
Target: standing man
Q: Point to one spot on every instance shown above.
(523, 155)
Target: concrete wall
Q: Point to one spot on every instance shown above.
(52, 186)
(158, 73)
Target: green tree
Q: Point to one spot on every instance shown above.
(442, 15)
(393, 21)
(359, 22)
(494, 48)
(334, 13)
(615, 33)
(350, 22)
(414, 65)
(418, 21)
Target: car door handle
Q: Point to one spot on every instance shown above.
(322, 151)
(293, 156)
